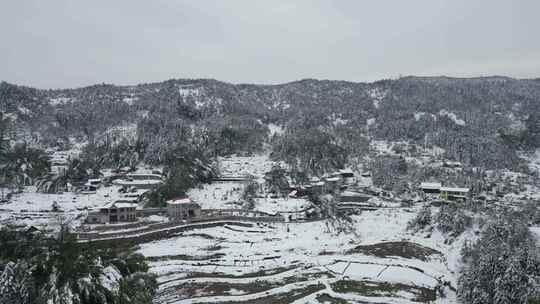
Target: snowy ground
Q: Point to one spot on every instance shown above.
(218, 195)
(228, 195)
(266, 262)
(277, 205)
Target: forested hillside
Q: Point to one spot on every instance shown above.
(322, 124)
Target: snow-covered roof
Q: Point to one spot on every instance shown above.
(352, 193)
(141, 174)
(180, 201)
(430, 185)
(127, 199)
(452, 189)
(123, 182)
(122, 203)
(125, 205)
(136, 193)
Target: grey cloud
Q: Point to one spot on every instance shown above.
(74, 43)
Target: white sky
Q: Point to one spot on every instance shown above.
(59, 44)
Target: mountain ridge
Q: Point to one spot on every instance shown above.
(492, 77)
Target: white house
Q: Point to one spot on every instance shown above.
(123, 210)
(451, 193)
(183, 208)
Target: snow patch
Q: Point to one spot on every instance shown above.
(130, 100)
(377, 94)
(275, 129)
(60, 100)
(453, 117)
(188, 90)
(110, 278)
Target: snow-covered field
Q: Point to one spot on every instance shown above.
(269, 261)
(310, 262)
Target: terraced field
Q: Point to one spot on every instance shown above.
(304, 263)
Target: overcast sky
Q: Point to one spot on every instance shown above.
(59, 44)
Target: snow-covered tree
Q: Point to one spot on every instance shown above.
(421, 220)
(16, 283)
(503, 266)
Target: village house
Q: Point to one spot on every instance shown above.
(430, 187)
(454, 194)
(348, 176)
(333, 184)
(446, 193)
(183, 208)
(139, 180)
(124, 210)
(353, 197)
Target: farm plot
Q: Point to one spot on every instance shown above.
(301, 263)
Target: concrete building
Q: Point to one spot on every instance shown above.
(124, 210)
(454, 194)
(431, 187)
(183, 208)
